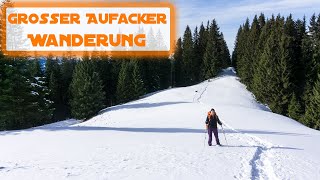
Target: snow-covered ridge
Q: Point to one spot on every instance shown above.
(162, 136)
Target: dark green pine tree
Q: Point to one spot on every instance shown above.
(211, 55)
(262, 20)
(309, 65)
(311, 93)
(312, 117)
(262, 66)
(18, 105)
(293, 52)
(188, 76)
(86, 91)
(67, 67)
(203, 40)
(287, 66)
(2, 78)
(125, 85)
(280, 95)
(53, 78)
(295, 110)
(283, 70)
(316, 45)
(40, 91)
(102, 63)
(152, 72)
(264, 81)
(253, 41)
(313, 29)
(244, 64)
(265, 33)
(109, 68)
(299, 67)
(197, 55)
(225, 54)
(236, 51)
(177, 63)
(164, 72)
(311, 57)
(137, 81)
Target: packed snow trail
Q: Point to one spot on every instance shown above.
(162, 137)
(259, 160)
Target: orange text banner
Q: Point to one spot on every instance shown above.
(135, 28)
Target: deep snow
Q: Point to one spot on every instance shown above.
(162, 137)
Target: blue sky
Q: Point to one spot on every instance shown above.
(230, 14)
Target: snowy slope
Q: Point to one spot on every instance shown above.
(162, 137)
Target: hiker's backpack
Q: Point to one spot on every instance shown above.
(209, 115)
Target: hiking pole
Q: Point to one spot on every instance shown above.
(205, 137)
(224, 135)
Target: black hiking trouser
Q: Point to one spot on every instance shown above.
(215, 132)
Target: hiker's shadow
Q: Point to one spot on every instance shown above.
(249, 131)
(273, 147)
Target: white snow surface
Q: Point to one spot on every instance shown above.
(162, 136)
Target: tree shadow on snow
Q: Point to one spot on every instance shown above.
(149, 130)
(140, 105)
(167, 130)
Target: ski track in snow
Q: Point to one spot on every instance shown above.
(261, 167)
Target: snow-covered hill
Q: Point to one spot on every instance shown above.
(162, 137)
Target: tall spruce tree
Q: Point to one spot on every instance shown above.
(53, 80)
(225, 54)
(299, 67)
(153, 78)
(109, 68)
(125, 86)
(264, 81)
(188, 58)
(43, 105)
(295, 110)
(2, 78)
(243, 61)
(211, 56)
(311, 57)
(178, 74)
(138, 84)
(203, 40)
(18, 103)
(67, 68)
(86, 91)
(164, 72)
(253, 41)
(284, 73)
(197, 55)
(309, 65)
(312, 117)
(236, 51)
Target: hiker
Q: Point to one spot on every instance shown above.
(212, 122)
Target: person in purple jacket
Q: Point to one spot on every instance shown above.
(212, 122)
